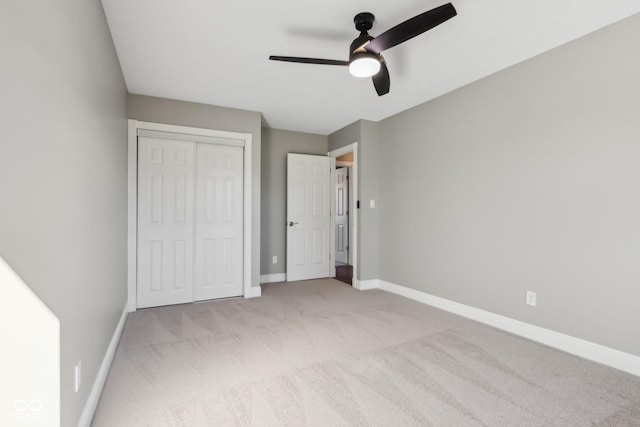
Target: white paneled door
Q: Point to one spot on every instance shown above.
(190, 221)
(165, 222)
(342, 215)
(219, 219)
(308, 217)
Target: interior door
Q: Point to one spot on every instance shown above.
(342, 215)
(165, 222)
(308, 217)
(219, 222)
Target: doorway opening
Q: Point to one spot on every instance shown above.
(344, 218)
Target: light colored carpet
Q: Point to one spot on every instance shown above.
(320, 353)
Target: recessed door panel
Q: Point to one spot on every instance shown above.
(155, 267)
(209, 199)
(299, 248)
(156, 198)
(228, 198)
(299, 199)
(181, 199)
(180, 262)
(209, 262)
(317, 246)
(318, 196)
(228, 255)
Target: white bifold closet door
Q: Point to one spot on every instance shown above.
(219, 226)
(190, 221)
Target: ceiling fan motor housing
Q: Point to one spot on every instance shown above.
(364, 21)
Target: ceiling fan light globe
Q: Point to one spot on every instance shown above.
(365, 66)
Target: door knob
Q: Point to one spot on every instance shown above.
(291, 223)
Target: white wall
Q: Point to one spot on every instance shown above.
(526, 180)
(63, 169)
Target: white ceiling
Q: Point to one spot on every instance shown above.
(216, 52)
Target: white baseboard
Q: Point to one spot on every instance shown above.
(576, 346)
(364, 285)
(98, 384)
(273, 278)
(254, 292)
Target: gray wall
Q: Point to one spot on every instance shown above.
(526, 180)
(275, 146)
(168, 111)
(366, 134)
(63, 171)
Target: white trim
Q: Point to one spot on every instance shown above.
(253, 292)
(132, 199)
(345, 150)
(365, 285)
(332, 216)
(188, 137)
(588, 350)
(249, 292)
(353, 196)
(94, 395)
(161, 127)
(273, 278)
(132, 215)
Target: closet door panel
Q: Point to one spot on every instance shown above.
(219, 222)
(165, 221)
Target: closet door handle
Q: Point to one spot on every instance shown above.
(291, 223)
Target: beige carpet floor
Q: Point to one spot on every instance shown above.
(320, 353)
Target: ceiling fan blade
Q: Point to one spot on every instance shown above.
(411, 28)
(308, 60)
(381, 81)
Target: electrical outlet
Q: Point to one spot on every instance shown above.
(77, 376)
(274, 260)
(531, 298)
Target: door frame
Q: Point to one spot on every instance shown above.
(244, 139)
(353, 211)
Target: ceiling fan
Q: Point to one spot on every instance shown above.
(365, 59)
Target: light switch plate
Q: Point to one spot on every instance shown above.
(531, 298)
(77, 373)
(372, 204)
